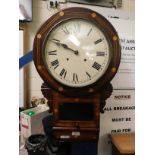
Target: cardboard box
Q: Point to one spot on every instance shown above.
(32, 124)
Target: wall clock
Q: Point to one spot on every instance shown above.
(77, 53)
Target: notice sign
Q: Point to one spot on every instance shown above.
(118, 117)
(125, 77)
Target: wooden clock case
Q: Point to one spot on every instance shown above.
(61, 97)
(83, 127)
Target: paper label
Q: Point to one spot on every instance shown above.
(65, 136)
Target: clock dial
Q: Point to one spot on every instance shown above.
(76, 53)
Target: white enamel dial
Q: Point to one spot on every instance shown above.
(76, 53)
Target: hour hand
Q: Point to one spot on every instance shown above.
(57, 42)
(66, 47)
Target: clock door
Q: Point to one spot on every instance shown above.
(72, 117)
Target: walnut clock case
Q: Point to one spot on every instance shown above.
(77, 53)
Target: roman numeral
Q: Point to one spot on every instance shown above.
(89, 32)
(100, 53)
(75, 77)
(52, 52)
(96, 65)
(55, 63)
(98, 41)
(63, 73)
(89, 76)
(77, 27)
(54, 40)
(65, 30)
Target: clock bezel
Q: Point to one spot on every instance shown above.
(73, 13)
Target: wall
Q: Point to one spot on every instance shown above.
(41, 13)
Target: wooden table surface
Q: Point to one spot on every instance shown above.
(125, 143)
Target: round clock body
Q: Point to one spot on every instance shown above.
(76, 51)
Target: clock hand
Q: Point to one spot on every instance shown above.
(57, 42)
(66, 47)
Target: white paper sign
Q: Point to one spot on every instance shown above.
(125, 77)
(119, 116)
